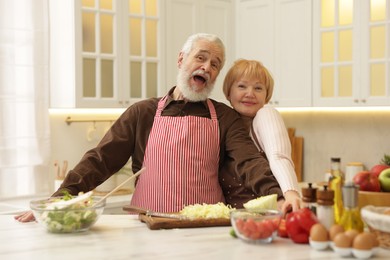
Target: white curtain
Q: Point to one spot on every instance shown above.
(24, 98)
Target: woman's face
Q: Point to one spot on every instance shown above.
(247, 96)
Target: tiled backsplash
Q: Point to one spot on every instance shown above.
(352, 135)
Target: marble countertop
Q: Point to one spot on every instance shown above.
(125, 237)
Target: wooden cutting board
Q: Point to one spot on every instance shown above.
(154, 223)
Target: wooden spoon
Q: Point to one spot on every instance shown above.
(119, 186)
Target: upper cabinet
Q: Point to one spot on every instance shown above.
(186, 17)
(279, 34)
(104, 53)
(351, 52)
(112, 53)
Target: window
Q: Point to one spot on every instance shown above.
(119, 50)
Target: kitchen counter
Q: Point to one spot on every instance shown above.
(125, 237)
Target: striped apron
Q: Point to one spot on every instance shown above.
(181, 160)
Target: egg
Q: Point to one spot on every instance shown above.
(319, 233)
(334, 230)
(363, 241)
(352, 233)
(362, 245)
(342, 245)
(342, 240)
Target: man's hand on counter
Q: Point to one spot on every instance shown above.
(27, 216)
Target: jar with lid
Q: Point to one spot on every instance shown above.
(325, 201)
(351, 218)
(309, 197)
(352, 169)
(336, 182)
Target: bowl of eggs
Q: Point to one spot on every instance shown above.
(345, 243)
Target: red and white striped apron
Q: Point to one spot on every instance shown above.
(181, 161)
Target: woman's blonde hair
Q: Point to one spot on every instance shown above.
(249, 69)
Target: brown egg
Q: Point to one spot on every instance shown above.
(363, 241)
(352, 233)
(342, 240)
(319, 233)
(334, 230)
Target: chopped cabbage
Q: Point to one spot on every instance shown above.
(207, 211)
(263, 202)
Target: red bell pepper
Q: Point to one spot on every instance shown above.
(299, 223)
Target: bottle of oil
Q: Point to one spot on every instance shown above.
(336, 182)
(351, 218)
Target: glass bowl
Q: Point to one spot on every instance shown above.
(74, 218)
(258, 226)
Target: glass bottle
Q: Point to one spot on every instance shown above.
(351, 218)
(309, 197)
(325, 212)
(336, 182)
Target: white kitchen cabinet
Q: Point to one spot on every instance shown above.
(104, 53)
(351, 61)
(278, 33)
(186, 17)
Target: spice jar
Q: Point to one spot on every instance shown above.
(309, 197)
(325, 211)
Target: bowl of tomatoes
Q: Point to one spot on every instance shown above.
(260, 226)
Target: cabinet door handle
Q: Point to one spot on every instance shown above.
(363, 101)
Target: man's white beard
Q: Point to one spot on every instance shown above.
(187, 91)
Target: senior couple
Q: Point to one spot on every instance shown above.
(195, 149)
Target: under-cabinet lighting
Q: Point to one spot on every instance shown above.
(119, 111)
(334, 109)
(86, 111)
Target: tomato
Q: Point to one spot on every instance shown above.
(267, 227)
(282, 232)
(298, 224)
(256, 229)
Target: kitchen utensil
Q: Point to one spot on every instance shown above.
(66, 203)
(58, 178)
(57, 170)
(120, 185)
(64, 169)
(134, 209)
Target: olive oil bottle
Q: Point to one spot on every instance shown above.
(336, 182)
(351, 218)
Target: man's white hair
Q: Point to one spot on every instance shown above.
(189, 44)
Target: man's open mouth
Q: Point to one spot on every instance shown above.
(201, 79)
